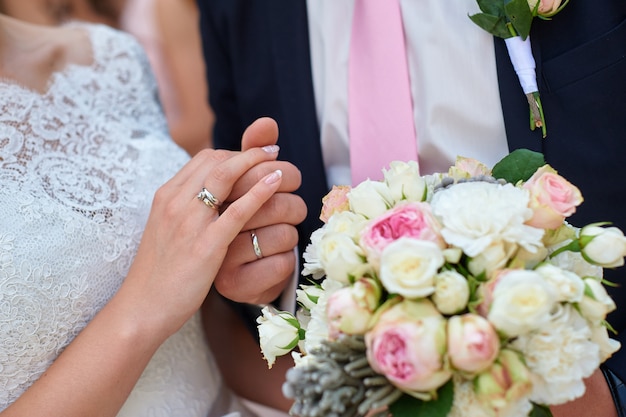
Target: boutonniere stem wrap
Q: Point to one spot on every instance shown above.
(511, 20)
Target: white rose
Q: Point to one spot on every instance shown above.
(451, 292)
(348, 223)
(279, 333)
(476, 215)
(608, 346)
(522, 301)
(341, 257)
(602, 246)
(596, 303)
(370, 198)
(405, 182)
(567, 285)
(408, 267)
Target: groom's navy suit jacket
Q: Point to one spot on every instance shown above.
(258, 64)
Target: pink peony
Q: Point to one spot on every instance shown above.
(552, 198)
(408, 344)
(413, 220)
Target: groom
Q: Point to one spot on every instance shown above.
(287, 59)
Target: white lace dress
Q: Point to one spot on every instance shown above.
(78, 168)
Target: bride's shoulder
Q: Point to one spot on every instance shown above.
(113, 47)
(105, 39)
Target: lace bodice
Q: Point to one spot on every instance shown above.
(79, 165)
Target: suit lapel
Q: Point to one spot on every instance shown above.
(299, 131)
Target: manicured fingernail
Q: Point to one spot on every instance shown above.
(273, 177)
(271, 148)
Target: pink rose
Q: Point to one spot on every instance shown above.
(473, 343)
(552, 198)
(485, 292)
(413, 220)
(350, 309)
(334, 202)
(408, 345)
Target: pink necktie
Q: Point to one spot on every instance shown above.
(380, 112)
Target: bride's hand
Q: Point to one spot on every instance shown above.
(185, 240)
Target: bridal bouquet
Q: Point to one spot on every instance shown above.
(457, 294)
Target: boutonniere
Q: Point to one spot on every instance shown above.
(511, 20)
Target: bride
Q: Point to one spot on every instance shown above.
(102, 267)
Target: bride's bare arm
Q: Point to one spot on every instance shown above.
(181, 251)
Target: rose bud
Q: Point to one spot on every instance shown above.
(546, 8)
(451, 292)
(473, 343)
(350, 309)
(504, 383)
(603, 246)
(279, 333)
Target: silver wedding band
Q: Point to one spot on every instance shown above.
(209, 199)
(255, 244)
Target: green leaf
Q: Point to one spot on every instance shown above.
(408, 406)
(519, 165)
(496, 25)
(492, 7)
(519, 14)
(540, 411)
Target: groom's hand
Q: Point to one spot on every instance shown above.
(243, 276)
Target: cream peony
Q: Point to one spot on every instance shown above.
(476, 215)
(560, 355)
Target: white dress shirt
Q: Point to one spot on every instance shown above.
(456, 103)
